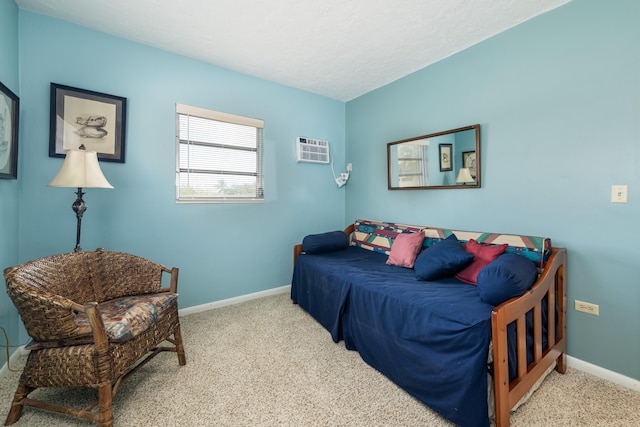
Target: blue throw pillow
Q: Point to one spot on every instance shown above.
(510, 275)
(325, 242)
(443, 259)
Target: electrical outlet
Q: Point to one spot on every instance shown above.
(587, 307)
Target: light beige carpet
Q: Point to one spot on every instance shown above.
(266, 362)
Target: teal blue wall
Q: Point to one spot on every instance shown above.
(558, 101)
(9, 188)
(222, 250)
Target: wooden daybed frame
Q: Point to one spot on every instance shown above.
(550, 283)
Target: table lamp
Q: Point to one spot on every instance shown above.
(80, 170)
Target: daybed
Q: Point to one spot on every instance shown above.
(92, 316)
(436, 325)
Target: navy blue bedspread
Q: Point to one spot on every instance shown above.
(430, 338)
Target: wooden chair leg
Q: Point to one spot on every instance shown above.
(17, 404)
(182, 359)
(105, 405)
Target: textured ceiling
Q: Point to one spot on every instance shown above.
(337, 48)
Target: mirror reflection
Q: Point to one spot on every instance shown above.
(448, 159)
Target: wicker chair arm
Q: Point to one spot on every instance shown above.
(173, 284)
(100, 338)
(46, 317)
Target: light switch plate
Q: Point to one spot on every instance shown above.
(620, 194)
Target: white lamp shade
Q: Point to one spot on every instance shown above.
(80, 169)
(464, 175)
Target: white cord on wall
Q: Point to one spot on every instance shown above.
(342, 178)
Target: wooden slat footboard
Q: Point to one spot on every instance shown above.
(551, 283)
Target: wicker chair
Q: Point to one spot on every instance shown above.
(60, 300)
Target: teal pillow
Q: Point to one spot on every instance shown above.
(443, 259)
(509, 276)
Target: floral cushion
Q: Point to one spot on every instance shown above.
(124, 318)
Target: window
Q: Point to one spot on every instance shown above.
(218, 156)
(412, 161)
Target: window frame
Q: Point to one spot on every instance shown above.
(218, 116)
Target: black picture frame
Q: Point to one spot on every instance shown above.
(9, 126)
(469, 161)
(446, 158)
(84, 117)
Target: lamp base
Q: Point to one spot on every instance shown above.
(79, 207)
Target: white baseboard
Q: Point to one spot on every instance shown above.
(606, 374)
(232, 301)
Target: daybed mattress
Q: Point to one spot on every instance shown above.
(430, 338)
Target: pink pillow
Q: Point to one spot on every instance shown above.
(482, 256)
(405, 248)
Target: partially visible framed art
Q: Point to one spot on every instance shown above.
(446, 162)
(9, 110)
(83, 117)
(469, 161)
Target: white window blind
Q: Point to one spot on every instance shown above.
(218, 156)
(412, 162)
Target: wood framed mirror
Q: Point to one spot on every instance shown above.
(447, 159)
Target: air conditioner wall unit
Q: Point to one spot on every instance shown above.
(312, 150)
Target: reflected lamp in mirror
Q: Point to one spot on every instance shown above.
(415, 163)
(464, 176)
